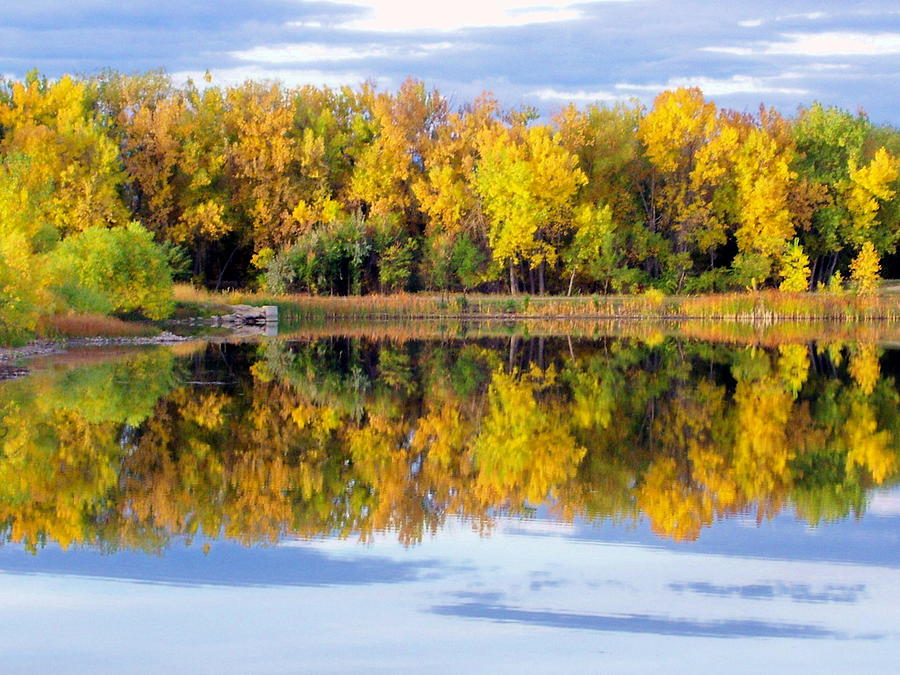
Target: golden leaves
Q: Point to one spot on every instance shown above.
(869, 187)
(526, 181)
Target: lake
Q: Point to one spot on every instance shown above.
(477, 500)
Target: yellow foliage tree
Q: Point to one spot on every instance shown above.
(794, 268)
(526, 181)
(865, 269)
(262, 151)
(390, 165)
(55, 126)
(763, 178)
(869, 187)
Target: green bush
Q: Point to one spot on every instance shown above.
(18, 306)
(112, 270)
(280, 273)
(710, 281)
(396, 266)
(749, 270)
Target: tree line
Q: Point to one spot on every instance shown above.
(356, 190)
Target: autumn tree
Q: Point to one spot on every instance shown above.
(405, 129)
(526, 181)
(55, 125)
(260, 158)
(455, 225)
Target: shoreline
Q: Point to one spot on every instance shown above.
(11, 358)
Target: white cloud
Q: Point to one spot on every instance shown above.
(737, 51)
(738, 84)
(812, 16)
(579, 96)
(756, 23)
(402, 15)
(804, 71)
(836, 44)
(308, 53)
(313, 52)
(820, 44)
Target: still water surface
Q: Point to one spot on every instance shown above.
(495, 504)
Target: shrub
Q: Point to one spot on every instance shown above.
(396, 266)
(113, 270)
(710, 281)
(179, 261)
(280, 273)
(18, 292)
(795, 269)
(835, 284)
(654, 297)
(748, 270)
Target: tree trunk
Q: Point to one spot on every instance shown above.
(571, 280)
(541, 272)
(531, 279)
(834, 260)
(512, 279)
(197, 254)
(225, 267)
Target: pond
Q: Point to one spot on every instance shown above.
(479, 500)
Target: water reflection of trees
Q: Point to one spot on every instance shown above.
(352, 437)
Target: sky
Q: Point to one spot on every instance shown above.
(546, 53)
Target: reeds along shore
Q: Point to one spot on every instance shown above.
(755, 307)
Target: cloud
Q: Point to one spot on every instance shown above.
(820, 44)
(404, 16)
(312, 52)
(737, 84)
(578, 96)
(308, 52)
(837, 44)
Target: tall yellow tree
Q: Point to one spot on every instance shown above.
(261, 153)
(690, 147)
(55, 125)
(763, 178)
(869, 187)
(526, 181)
(406, 124)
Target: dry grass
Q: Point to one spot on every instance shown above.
(751, 307)
(762, 306)
(92, 325)
(191, 301)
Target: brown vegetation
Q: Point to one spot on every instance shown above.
(92, 325)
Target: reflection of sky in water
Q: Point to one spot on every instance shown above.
(533, 596)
